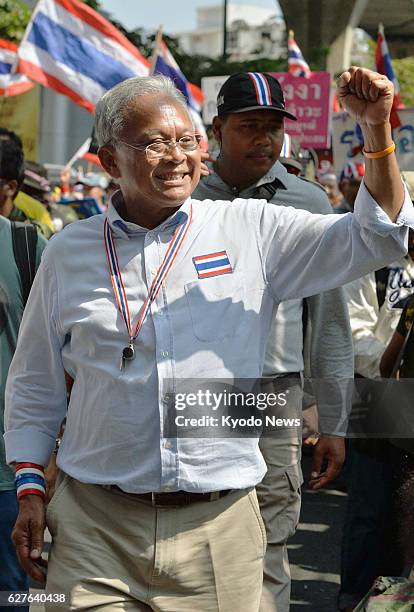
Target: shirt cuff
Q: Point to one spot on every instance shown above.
(28, 445)
(370, 215)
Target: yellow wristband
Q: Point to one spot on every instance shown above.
(379, 154)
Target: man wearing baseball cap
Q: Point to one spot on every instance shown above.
(249, 128)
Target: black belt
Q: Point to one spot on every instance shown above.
(173, 498)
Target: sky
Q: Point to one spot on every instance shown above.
(173, 15)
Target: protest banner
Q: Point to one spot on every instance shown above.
(343, 130)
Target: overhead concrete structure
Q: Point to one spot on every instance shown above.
(329, 23)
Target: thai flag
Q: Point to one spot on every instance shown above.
(383, 65)
(296, 62)
(165, 64)
(212, 264)
(72, 49)
(11, 84)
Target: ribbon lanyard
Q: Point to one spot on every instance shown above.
(128, 353)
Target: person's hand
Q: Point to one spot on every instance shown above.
(366, 95)
(27, 536)
(331, 451)
(310, 425)
(205, 157)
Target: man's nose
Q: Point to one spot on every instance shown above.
(263, 136)
(176, 153)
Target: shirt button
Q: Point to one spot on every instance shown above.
(166, 398)
(164, 353)
(153, 271)
(167, 444)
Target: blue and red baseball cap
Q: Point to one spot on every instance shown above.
(247, 91)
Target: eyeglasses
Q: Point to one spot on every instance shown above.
(161, 148)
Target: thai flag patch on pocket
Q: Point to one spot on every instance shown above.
(212, 264)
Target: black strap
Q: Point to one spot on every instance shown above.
(381, 281)
(24, 238)
(268, 190)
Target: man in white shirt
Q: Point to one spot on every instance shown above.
(130, 303)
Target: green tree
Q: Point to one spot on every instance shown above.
(404, 71)
(15, 15)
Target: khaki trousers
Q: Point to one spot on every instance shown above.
(279, 496)
(112, 552)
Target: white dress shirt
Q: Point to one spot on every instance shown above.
(114, 432)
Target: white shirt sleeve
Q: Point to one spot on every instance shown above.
(36, 389)
(363, 312)
(304, 253)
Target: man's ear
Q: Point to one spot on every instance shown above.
(10, 188)
(108, 161)
(217, 125)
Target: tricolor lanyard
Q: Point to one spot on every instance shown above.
(128, 353)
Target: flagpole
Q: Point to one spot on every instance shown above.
(25, 35)
(81, 151)
(157, 45)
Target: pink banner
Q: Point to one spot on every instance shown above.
(309, 100)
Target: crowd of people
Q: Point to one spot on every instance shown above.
(185, 267)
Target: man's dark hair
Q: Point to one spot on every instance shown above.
(11, 162)
(8, 135)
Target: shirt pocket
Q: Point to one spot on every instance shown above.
(216, 306)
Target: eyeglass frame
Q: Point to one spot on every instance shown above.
(171, 144)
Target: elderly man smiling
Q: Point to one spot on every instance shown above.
(142, 521)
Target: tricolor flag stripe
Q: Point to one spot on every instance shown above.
(11, 84)
(93, 19)
(60, 78)
(31, 485)
(214, 273)
(119, 291)
(296, 62)
(219, 255)
(89, 60)
(4, 68)
(75, 51)
(261, 87)
(30, 480)
(212, 264)
(36, 472)
(220, 263)
(87, 25)
(31, 492)
(169, 258)
(116, 277)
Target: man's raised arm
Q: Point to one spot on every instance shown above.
(367, 96)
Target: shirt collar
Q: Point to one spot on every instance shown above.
(127, 229)
(277, 171)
